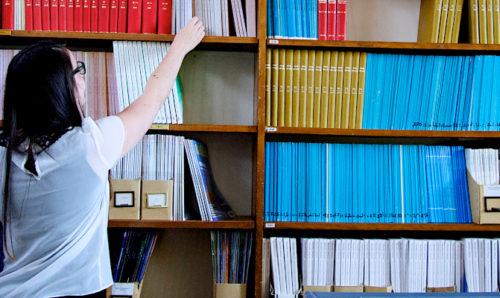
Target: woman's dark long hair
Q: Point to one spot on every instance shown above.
(39, 106)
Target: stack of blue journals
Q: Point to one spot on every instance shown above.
(315, 182)
(432, 92)
(292, 19)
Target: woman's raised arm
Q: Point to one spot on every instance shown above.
(138, 117)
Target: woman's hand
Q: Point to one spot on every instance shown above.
(189, 36)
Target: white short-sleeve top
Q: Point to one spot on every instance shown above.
(58, 219)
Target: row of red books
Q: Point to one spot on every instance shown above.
(332, 19)
(122, 16)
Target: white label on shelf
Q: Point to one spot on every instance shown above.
(274, 41)
(273, 129)
(157, 200)
(122, 289)
(270, 225)
(492, 190)
(124, 199)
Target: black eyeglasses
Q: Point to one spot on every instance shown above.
(80, 68)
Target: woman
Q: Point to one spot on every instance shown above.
(54, 178)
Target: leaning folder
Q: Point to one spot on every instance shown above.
(125, 199)
(484, 202)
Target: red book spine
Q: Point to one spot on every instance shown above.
(341, 19)
(149, 16)
(54, 15)
(8, 14)
(322, 19)
(103, 23)
(332, 14)
(113, 16)
(86, 15)
(70, 10)
(134, 16)
(122, 16)
(165, 17)
(46, 15)
(78, 16)
(28, 16)
(37, 15)
(62, 15)
(94, 13)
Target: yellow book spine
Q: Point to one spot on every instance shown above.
(346, 96)
(296, 88)
(354, 89)
(332, 89)
(473, 21)
(268, 86)
(361, 90)
(496, 21)
(339, 86)
(317, 88)
(428, 24)
(325, 88)
(483, 32)
(288, 86)
(303, 87)
(311, 64)
(281, 88)
(456, 20)
(489, 21)
(450, 21)
(274, 86)
(442, 21)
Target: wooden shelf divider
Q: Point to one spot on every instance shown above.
(240, 223)
(214, 40)
(383, 132)
(364, 45)
(380, 227)
(205, 128)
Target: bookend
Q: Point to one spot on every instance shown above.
(484, 202)
(125, 199)
(387, 289)
(352, 289)
(316, 289)
(230, 290)
(441, 290)
(124, 290)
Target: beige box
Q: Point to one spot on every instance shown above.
(230, 290)
(369, 289)
(157, 199)
(355, 289)
(317, 289)
(122, 290)
(484, 202)
(125, 199)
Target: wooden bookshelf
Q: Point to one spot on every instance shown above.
(239, 223)
(384, 133)
(259, 133)
(375, 45)
(204, 128)
(380, 227)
